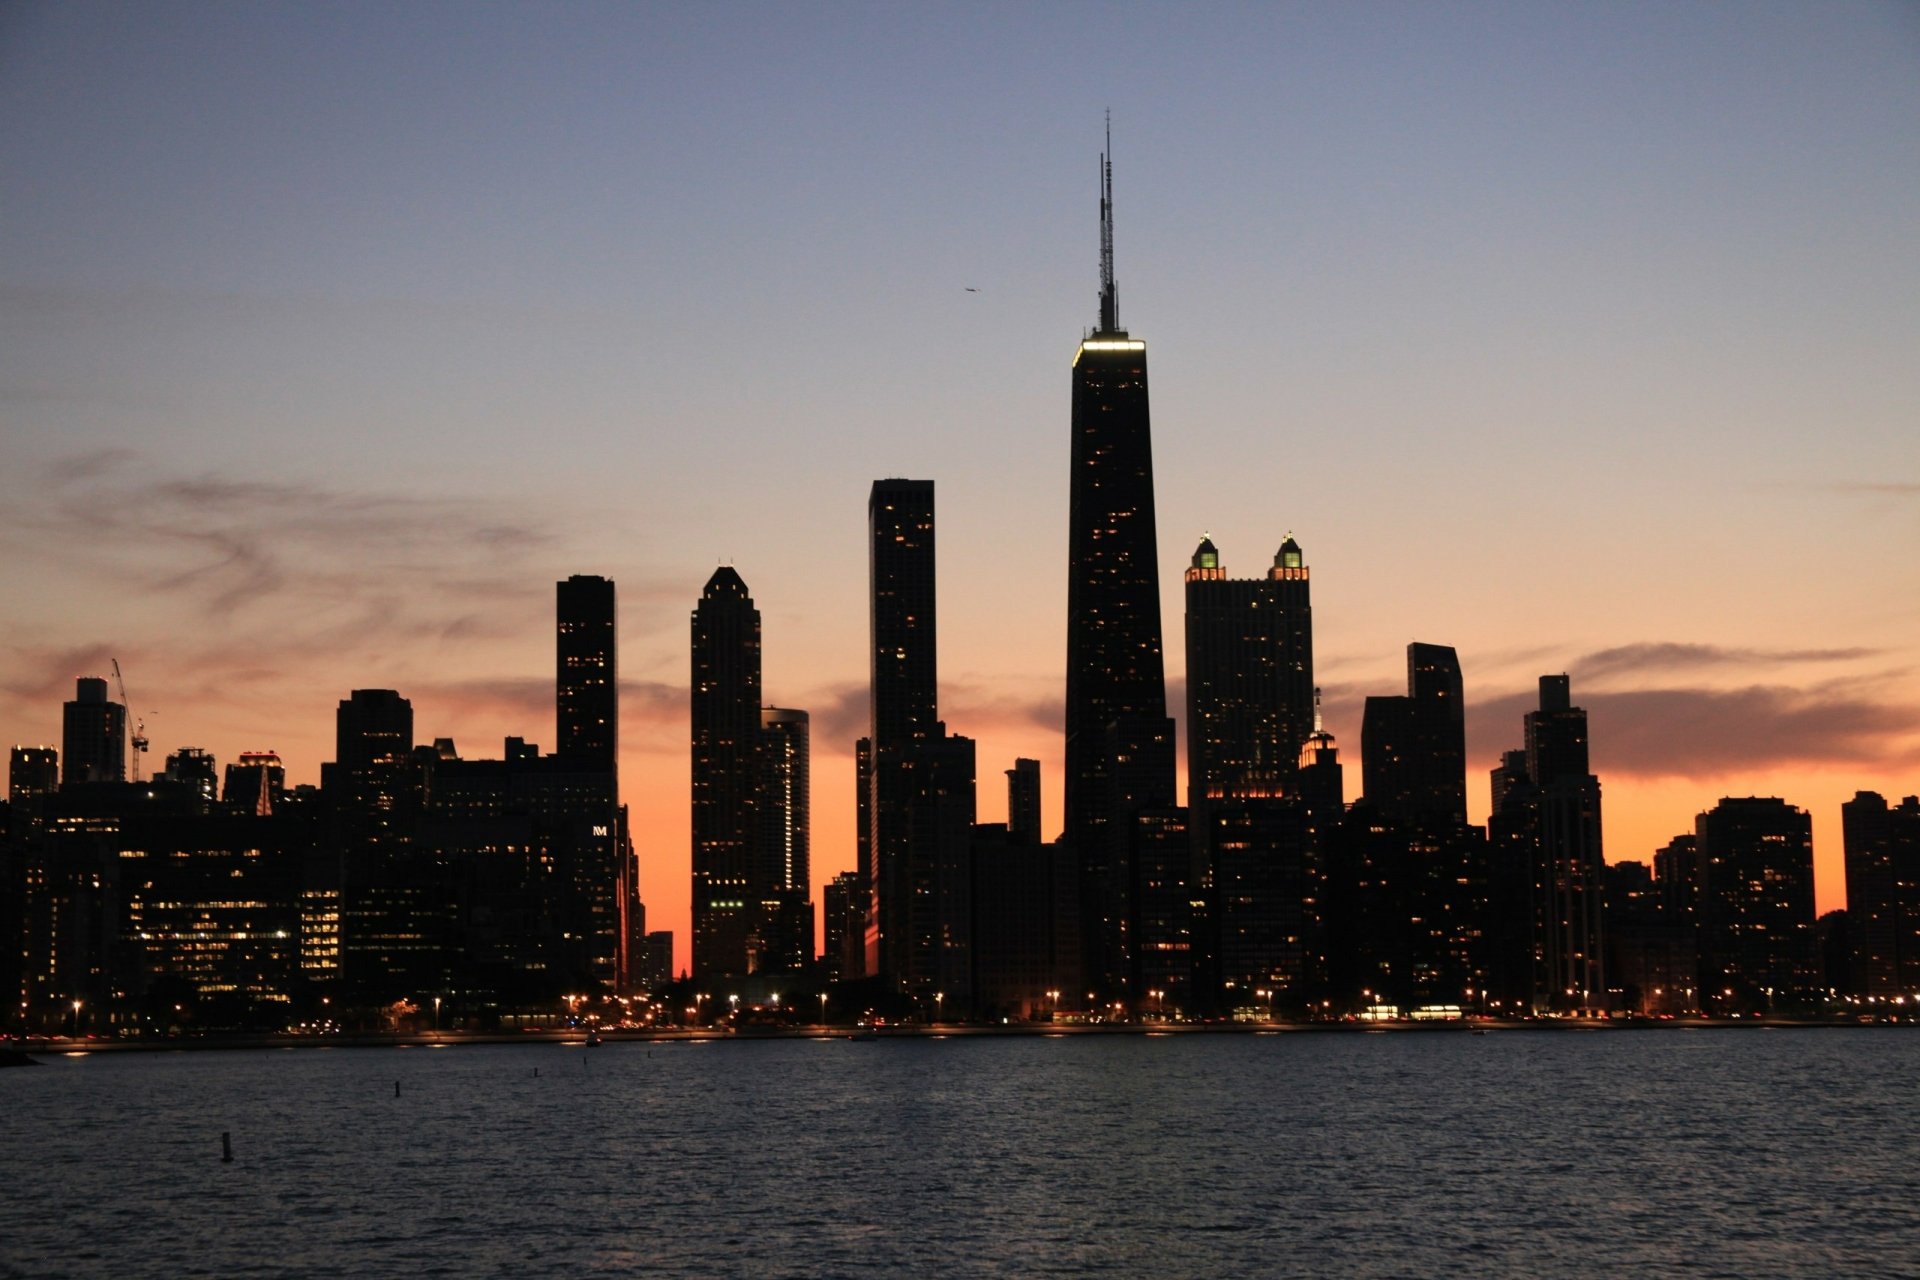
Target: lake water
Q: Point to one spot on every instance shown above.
(1518, 1153)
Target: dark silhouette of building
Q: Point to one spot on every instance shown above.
(1413, 878)
(604, 885)
(394, 907)
(726, 773)
(869, 931)
(1754, 870)
(782, 876)
(1545, 834)
(1249, 676)
(587, 671)
(844, 906)
(1413, 749)
(1116, 712)
(194, 767)
(920, 801)
(32, 771)
(1882, 851)
(1253, 882)
(93, 746)
(255, 783)
(1023, 800)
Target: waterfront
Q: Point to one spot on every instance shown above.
(1731, 1152)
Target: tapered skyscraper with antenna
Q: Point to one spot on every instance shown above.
(1119, 742)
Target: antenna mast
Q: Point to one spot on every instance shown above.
(1109, 293)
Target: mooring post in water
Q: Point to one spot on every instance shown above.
(396, 1088)
(226, 1147)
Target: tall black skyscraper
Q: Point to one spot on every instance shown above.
(1569, 870)
(93, 745)
(1119, 741)
(1882, 844)
(1023, 801)
(726, 772)
(587, 676)
(1754, 871)
(783, 862)
(905, 712)
(1413, 749)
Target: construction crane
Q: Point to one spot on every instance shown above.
(139, 727)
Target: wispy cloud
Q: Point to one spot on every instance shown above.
(1894, 488)
(1668, 656)
(1695, 732)
(384, 560)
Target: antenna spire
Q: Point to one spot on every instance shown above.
(1109, 292)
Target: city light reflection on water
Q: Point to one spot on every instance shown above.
(1518, 1153)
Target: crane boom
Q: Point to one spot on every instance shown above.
(139, 728)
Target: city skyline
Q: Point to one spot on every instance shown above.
(261, 479)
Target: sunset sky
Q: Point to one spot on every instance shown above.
(1582, 338)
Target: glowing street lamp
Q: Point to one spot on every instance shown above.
(76, 1019)
(436, 1015)
(938, 998)
(823, 1008)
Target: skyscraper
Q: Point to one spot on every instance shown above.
(1569, 890)
(1413, 749)
(1882, 845)
(1116, 704)
(393, 913)
(1023, 801)
(1249, 677)
(93, 744)
(726, 772)
(782, 875)
(903, 663)
(1755, 881)
(32, 771)
(587, 676)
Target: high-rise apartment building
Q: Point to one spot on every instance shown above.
(726, 773)
(1413, 749)
(1023, 801)
(32, 771)
(1882, 845)
(1754, 878)
(904, 670)
(782, 873)
(587, 673)
(93, 746)
(1249, 676)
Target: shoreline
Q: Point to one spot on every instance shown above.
(66, 1046)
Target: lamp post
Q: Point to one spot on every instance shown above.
(823, 1008)
(1053, 1006)
(939, 998)
(76, 1019)
(436, 1015)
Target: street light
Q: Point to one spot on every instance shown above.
(823, 1008)
(938, 998)
(76, 1019)
(1053, 1011)
(436, 1015)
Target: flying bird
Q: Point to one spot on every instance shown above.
(971, 289)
